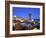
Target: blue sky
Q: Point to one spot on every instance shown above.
(23, 12)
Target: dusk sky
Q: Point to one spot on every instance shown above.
(23, 12)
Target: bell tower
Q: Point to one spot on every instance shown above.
(30, 16)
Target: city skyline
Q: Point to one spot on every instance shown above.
(23, 12)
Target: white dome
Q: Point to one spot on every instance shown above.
(14, 16)
(32, 20)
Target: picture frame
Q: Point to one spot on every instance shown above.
(8, 18)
